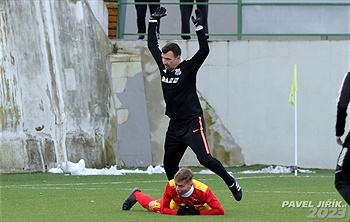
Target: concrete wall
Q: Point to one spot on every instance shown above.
(250, 89)
(247, 84)
(55, 102)
(133, 144)
(64, 96)
(100, 12)
(128, 91)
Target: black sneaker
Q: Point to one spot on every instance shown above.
(130, 201)
(185, 37)
(141, 37)
(236, 191)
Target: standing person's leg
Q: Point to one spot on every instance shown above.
(152, 9)
(141, 18)
(204, 10)
(174, 149)
(186, 11)
(196, 139)
(342, 173)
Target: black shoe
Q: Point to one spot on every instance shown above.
(130, 201)
(236, 191)
(185, 37)
(141, 37)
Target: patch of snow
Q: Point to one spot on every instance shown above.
(276, 170)
(70, 168)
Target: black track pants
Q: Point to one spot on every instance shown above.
(181, 135)
(342, 172)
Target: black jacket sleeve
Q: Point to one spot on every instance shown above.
(198, 59)
(342, 105)
(153, 45)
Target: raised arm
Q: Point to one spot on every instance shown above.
(203, 51)
(152, 40)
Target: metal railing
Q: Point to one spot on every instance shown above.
(240, 5)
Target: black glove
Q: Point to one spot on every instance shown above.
(191, 210)
(159, 13)
(187, 210)
(199, 18)
(181, 211)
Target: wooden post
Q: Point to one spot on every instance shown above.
(112, 18)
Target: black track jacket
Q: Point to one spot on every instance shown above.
(179, 85)
(342, 105)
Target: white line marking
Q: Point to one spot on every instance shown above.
(281, 191)
(72, 185)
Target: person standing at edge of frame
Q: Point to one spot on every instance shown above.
(186, 126)
(342, 172)
(141, 10)
(186, 11)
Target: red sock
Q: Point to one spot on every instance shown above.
(143, 199)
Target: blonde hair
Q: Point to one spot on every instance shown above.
(184, 174)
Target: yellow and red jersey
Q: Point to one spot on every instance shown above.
(202, 198)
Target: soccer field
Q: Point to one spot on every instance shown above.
(266, 197)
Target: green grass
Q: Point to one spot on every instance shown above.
(56, 197)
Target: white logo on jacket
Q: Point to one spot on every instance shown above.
(170, 80)
(177, 72)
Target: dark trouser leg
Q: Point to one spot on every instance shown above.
(174, 149)
(216, 166)
(204, 10)
(343, 187)
(196, 139)
(186, 11)
(141, 16)
(342, 173)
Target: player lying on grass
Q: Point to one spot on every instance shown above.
(183, 195)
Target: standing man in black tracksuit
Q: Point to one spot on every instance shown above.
(342, 173)
(186, 11)
(186, 126)
(141, 10)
